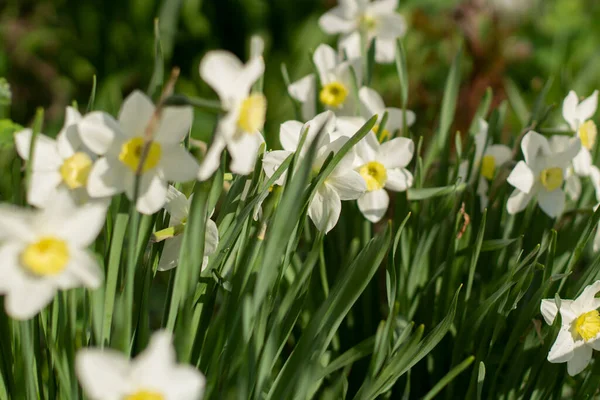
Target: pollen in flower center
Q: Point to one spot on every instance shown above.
(385, 134)
(587, 134)
(144, 395)
(132, 150)
(252, 113)
(374, 174)
(333, 94)
(46, 257)
(368, 22)
(588, 325)
(552, 178)
(488, 167)
(75, 170)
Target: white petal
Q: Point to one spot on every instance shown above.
(16, 223)
(463, 170)
(569, 109)
(587, 108)
(82, 225)
(106, 179)
(549, 310)
(518, 201)
(12, 274)
(390, 26)
(185, 383)
(68, 139)
(347, 126)
(522, 177)
(552, 203)
(169, 258)
(135, 114)
(102, 374)
(177, 205)
(382, 7)
(45, 157)
(289, 134)
(349, 185)
(396, 153)
(325, 207)
(596, 246)
(25, 301)
(585, 301)
(271, 163)
(98, 130)
(323, 123)
(43, 187)
(373, 205)
(371, 102)
(396, 119)
(175, 124)
(244, 152)
(219, 69)
(212, 159)
(336, 21)
(573, 187)
(151, 365)
(582, 163)
(398, 179)
(152, 194)
(325, 59)
(82, 270)
(580, 360)
(177, 164)
(534, 145)
(500, 152)
(368, 148)
(562, 349)
(303, 90)
(563, 159)
(350, 46)
(385, 50)
(595, 178)
(211, 238)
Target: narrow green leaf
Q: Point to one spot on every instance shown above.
(453, 373)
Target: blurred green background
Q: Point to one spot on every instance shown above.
(51, 49)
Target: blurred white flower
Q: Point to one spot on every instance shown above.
(153, 374)
(580, 328)
(239, 129)
(342, 184)
(494, 156)
(541, 175)
(382, 166)
(336, 83)
(61, 164)
(560, 143)
(43, 251)
(178, 207)
(376, 19)
(578, 115)
(120, 145)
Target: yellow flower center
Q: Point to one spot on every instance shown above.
(488, 167)
(552, 178)
(144, 395)
(385, 134)
(75, 170)
(47, 256)
(587, 134)
(588, 325)
(252, 113)
(333, 94)
(131, 153)
(368, 22)
(374, 174)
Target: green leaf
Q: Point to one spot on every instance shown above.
(158, 74)
(402, 72)
(453, 373)
(426, 193)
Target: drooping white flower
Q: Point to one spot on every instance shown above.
(580, 328)
(154, 374)
(58, 164)
(239, 129)
(45, 250)
(541, 175)
(578, 115)
(342, 184)
(487, 161)
(336, 83)
(382, 166)
(178, 207)
(120, 146)
(376, 19)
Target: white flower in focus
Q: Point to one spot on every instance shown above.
(45, 250)
(560, 143)
(342, 184)
(120, 145)
(541, 175)
(580, 328)
(489, 159)
(178, 207)
(578, 115)
(239, 129)
(376, 19)
(153, 374)
(336, 83)
(382, 166)
(61, 164)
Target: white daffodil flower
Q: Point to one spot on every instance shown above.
(336, 83)
(541, 175)
(578, 115)
(45, 250)
(239, 129)
(382, 166)
(178, 207)
(120, 146)
(580, 328)
(489, 159)
(154, 374)
(560, 143)
(342, 184)
(61, 164)
(376, 19)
